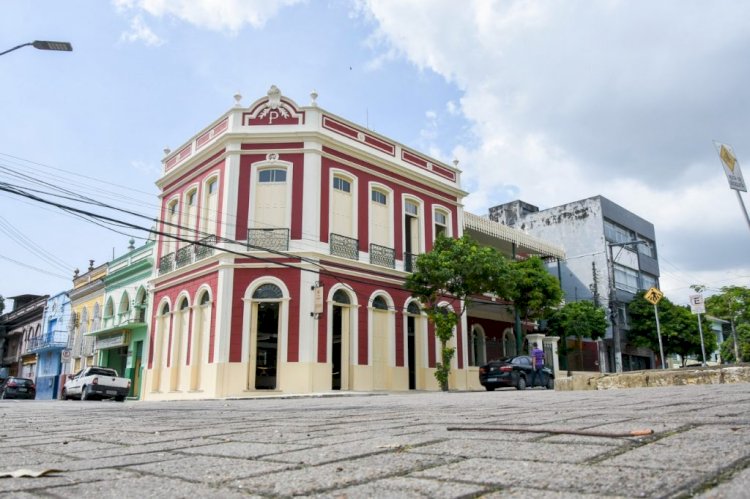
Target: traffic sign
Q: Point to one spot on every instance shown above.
(653, 295)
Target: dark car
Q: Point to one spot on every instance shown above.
(513, 371)
(18, 388)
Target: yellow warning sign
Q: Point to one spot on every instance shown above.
(727, 157)
(653, 295)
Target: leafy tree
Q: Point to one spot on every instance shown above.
(537, 291)
(454, 271)
(732, 304)
(743, 344)
(679, 328)
(582, 319)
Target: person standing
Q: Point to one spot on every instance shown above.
(537, 363)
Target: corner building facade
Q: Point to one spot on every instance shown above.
(286, 235)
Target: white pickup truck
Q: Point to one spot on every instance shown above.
(96, 383)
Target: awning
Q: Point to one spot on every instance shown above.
(124, 328)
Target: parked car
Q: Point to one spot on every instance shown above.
(17, 388)
(513, 371)
(96, 383)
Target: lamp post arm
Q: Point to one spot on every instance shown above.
(17, 47)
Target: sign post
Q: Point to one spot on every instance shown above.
(698, 307)
(654, 296)
(733, 173)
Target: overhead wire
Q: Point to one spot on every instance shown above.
(107, 219)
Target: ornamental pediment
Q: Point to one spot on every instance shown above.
(274, 109)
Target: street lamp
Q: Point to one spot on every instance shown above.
(613, 302)
(44, 45)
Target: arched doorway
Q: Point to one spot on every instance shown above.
(340, 322)
(478, 350)
(201, 329)
(179, 344)
(161, 337)
(266, 304)
(413, 313)
(380, 332)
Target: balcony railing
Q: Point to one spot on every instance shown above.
(344, 246)
(268, 239)
(184, 256)
(166, 263)
(204, 248)
(188, 254)
(410, 262)
(48, 341)
(382, 255)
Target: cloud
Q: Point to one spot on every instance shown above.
(216, 15)
(568, 100)
(139, 32)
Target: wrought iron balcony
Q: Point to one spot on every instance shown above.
(166, 263)
(269, 239)
(204, 247)
(56, 339)
(344, 246)
(410, 262)
(382, 255)
(184, 256)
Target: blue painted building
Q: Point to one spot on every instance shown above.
(49, 346)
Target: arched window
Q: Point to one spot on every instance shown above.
(441, 223)
(379, 303)
(267, 292)
(413, 309)
(183, 304)
(205, 298)
(342, 297)
(164, 309)
(210, 206)
(189, 220)
(170, 228)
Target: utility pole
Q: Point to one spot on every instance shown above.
(616, 342)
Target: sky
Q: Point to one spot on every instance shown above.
(547, 102)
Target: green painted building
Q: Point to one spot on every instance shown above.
(120, 342)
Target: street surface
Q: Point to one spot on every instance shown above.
(387, 445)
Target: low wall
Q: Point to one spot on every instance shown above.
(655, 377)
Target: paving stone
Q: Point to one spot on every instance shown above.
(242, 449)
(145, 487)
(316, 479)
(701, 449)
(562, 477)
(737, 485)
(211, 470)
(47, 482)
(540, 451)
(407, 488)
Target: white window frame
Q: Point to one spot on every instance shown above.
(256, 168)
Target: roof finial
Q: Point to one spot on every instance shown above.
(167, 150)
(314, 97)
(131, 244)
(237, 99)
(274, 97)
(455, 162)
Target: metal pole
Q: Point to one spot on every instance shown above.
(617, 348)
(16, 48)
(742, 205)
(703, 347)
(658, 334)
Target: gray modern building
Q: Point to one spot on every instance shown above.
(598, 236)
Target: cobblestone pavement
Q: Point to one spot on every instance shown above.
(387, 445)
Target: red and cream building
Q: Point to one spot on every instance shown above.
(286, 235)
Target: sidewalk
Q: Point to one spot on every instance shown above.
(534, 443)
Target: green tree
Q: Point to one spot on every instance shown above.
(732, 304)
(582, 319)
(743, 344)
(679, 328)
(454, 271)
(536, 291)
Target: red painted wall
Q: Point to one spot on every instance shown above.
(242, 279)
